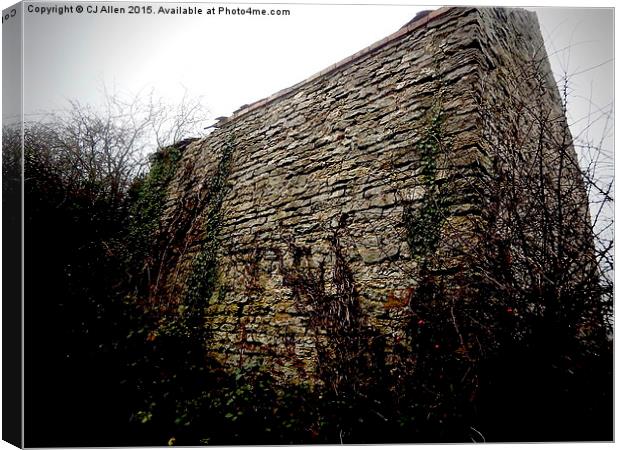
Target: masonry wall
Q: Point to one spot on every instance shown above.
(318, 188)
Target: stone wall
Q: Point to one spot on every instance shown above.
(311, 211)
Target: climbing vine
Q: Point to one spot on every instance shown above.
(202, 279)
(424, 220)
(147, 208)
(179, 382)
(442, 337)
(349, 350)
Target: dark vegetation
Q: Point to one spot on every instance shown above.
(502, 344)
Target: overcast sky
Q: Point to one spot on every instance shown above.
(231, 60)
(228, 60)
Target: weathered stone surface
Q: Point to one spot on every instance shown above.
(342, 151)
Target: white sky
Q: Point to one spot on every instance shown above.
(229, 61)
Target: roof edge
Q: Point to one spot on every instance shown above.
(413, 25)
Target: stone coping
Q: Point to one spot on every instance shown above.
(413, 25)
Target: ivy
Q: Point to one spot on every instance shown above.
(424, 220)
(202, 279)
(148, 205)
(178, 390)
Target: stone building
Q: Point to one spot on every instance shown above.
(303, 224)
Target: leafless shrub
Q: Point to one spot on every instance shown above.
(104, 148)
